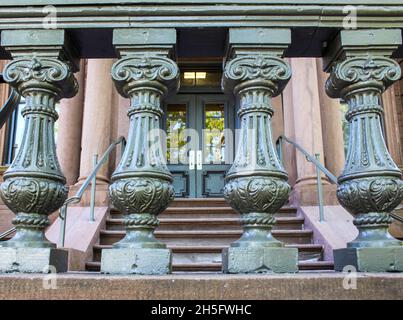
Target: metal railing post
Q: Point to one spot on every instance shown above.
(280, 149)
(63, 218)
(78, 196)
(93, 189)
(320, 191)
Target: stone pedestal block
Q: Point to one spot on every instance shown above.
(33, 260)
(136, 261)
(387, 259)
(260, 260)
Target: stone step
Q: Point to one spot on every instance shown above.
(216, 267)
(198, 202)
(306, 252)
(206, 212)
(211, 237)
(283, 223)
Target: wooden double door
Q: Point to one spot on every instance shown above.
(199, 143)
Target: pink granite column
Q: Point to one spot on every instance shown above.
(307, 116)
(303, 124)
(69, 130)
(392, 128)
(98, 109)
(332, 129)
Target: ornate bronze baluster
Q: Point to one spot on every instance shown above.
(370, 186)
(34, 185)
(141, 184)
(256, 185)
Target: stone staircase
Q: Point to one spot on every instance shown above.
(198, 229)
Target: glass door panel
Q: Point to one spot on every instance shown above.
(213, 131)
(180, 143)
(215, 123)
(176, 124)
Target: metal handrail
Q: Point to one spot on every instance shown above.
(9, 106)
(319, 167)
(396, 216)
(6, 110)
(78, 196)
(316, 162)
(7, 233)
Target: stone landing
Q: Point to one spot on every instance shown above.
(201, 286)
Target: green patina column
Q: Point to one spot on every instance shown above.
(256, 185)
(370, 186)
(34, 186)
(142, 184)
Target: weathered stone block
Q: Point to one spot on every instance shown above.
(33, 260)
(136, 261)
(388, 259)
(260, 260)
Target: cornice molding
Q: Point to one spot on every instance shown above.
(185, 13)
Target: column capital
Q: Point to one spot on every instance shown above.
(360, 59)
(256, 41)
(146, 59)
(361, 43)
(145, 41)
(255, 55)
(42, 59)
(370, 72)
(41, 43)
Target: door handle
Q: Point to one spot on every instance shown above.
(191, 160)
(199, 163)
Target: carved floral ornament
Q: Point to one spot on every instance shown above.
(381, 71)
(145, 68)
(378, 194)
(259, 67)
(36, 72)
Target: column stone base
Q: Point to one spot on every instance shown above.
(388, 259)
(260, 260)
(136, 261)
(33, 260)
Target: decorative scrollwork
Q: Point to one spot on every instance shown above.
(256, 194)
(33, 195)
(380, 70)
(38, 72)
(259, 67)
(141, 195)
(144, 69)
(377, 194)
